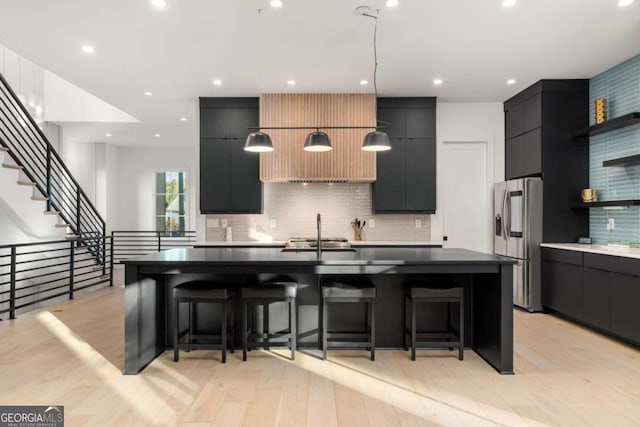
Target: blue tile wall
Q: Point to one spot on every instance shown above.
(620, 85)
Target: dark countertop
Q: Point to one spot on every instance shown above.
(363, 256)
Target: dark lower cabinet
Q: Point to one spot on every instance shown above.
(625, 306)
(602, 291)
(596, 297)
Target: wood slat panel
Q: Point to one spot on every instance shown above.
(289, 162)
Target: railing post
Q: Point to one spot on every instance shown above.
(104, 248)
(78, 231)
(159, 242)
(48, 177)
(71, 268)
(12, 290)
(111, 261)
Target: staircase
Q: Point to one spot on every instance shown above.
(37, 167)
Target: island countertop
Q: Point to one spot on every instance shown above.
(361, 256)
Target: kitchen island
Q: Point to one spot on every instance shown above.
(487, 280)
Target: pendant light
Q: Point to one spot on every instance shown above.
(317, 141)
(376, 140)
(258, 142)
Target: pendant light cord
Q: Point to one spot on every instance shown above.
(375, 60)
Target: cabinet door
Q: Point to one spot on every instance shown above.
(389, 189)
(394, 120)
(240, 120)
(531, 113)
(420, 123)
(532, 153)
(513, 158)
(625, 298)
(420, 178)
(215, 123)
(214, 175)
(245, 188)
(513, 122)
(596, 298)
(562, 290)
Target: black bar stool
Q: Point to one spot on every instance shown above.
(265, 294)
(340, 292)
(203, 292)
(416, 294)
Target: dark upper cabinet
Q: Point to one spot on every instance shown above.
(513, 156)
(229, 176)
(513, 121)
(531, 162)
(531, 113)
(406, 175)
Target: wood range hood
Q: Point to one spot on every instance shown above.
(290, 163)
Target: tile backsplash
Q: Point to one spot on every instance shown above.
(293, 208)
(620, 85)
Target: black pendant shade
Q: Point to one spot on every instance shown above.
(317, 141)
(376, 141)
(258, 142)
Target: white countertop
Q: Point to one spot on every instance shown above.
(278, 243)
(595, 249)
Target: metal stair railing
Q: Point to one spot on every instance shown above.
(42, 165)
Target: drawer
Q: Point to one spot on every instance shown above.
(561, 255)
(612, 263)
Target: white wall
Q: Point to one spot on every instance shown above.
(468, 122)
(136, 185)
(26, 79)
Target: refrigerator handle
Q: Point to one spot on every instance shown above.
(508, 225)
(504, 214)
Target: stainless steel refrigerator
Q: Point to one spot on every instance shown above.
(518, 234)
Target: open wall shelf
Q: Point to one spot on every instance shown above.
(622, 161)
(609, 125)
(608, 203)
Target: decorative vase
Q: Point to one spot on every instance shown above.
(601, 110)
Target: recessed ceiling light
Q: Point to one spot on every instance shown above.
(107, 135)
(437, 82)
(392, 3)
(157, 135)
(511, 81)
(147, 93)
(88, 49)
(183, 119)
(217, 82)
(623, 3)
(160, 4)
(508, 3)
(364, 82)
(276, 3)
(291, 82)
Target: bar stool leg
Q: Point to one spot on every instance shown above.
(265, 325)
(461, 348)
(232, 330)
(372, 330)
(324, 329)
(413, 329)
(293, 327)
(176, 329)
(449, 322)
(244, 331)
(404, 325)
(189, 305)
(223, 333)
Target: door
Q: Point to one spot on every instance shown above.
(466, 200)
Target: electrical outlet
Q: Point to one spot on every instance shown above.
(418, 223)
(371, 223)
(272, 224)
(212, 223)
(612, 224)
(224, 223)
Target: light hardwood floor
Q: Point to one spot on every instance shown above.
(71, 354)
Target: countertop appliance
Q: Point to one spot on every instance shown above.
(518, 234)
(311, 244)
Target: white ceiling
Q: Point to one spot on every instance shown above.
(473, 45)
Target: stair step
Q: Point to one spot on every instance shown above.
(32, 184)
(50, 212)
(39, 198)
(71, 237)
(11, 166)
(3, 148)
(62, 225)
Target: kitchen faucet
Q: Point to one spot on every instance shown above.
(319, 243)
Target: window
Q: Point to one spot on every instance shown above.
(171, 203)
